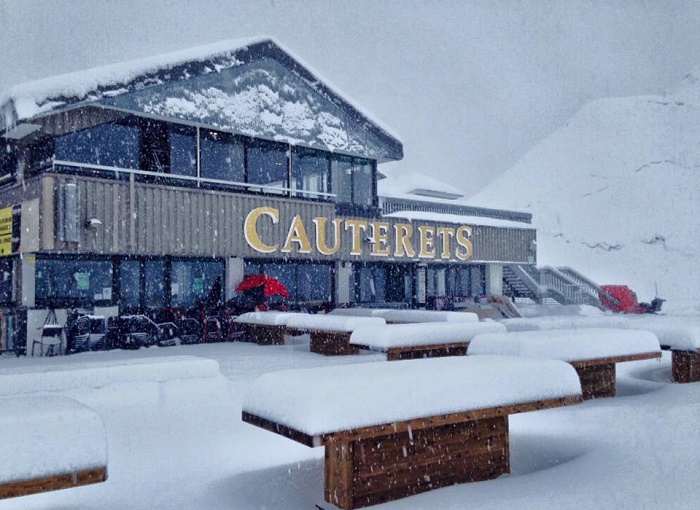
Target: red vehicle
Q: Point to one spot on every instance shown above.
(627, 300)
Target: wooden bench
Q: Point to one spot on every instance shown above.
(414, 341)
(330, 334)
(265, 328)
(391, 430)
(685, 365)
(592, 352)
(48, 444)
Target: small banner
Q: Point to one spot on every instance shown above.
(10, 218)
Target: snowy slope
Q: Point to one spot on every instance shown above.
(615, 193)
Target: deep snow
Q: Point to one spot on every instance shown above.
(181, 443)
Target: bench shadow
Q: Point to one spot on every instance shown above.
(296, 485)
(531, 453)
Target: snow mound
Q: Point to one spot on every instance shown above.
(615, 193)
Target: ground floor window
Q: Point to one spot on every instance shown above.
(305, 281)
(7, 271)
(73, 282)
(383, 283)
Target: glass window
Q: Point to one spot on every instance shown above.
(314, 282)
(362, 183)
(372, 284)
(196, 281)
(222, 158)
(267, 164)
(129, 284)
(155, 284)
(8, 160)
(106, 145)
(310, 173)
(73, 281)
(183, 153)
(6, 279)
(341, 179)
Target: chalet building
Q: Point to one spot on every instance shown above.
(157, 183)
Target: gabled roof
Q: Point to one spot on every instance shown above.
(253, 87)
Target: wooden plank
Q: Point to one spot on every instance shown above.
(404, 426)
(597, 381)
(427, 351)
(53, 482)
(339, 474)
(331, 343)
(685, 366)
(264, 334)
(616, 359)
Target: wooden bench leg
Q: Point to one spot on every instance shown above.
(331, 343)
(685, 366)
(367, 472)
(597, 381)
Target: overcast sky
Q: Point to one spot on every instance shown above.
(468, 86)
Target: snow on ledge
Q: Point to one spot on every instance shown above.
(270, 318)
(427, 316)
(410, 335)
(44, 436)
(566, 345)
(98, 374)
(332, 322)
(335, 398)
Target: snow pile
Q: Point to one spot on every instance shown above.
(427, 316)
(566, 345)
(615, 194)
(330, 399)
(99, 374)
(269, 318)
(409, 335)
(44, 436)
(331, 323)
(682, 333)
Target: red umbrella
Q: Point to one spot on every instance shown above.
(271, 286)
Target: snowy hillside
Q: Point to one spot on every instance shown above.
(615, 193)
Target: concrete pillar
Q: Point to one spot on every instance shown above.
(494, 280)
(234, 275)
(343, 288)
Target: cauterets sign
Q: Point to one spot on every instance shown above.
(328, 236)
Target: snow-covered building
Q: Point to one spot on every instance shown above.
(143, 184)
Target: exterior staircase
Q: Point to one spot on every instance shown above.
(564, 285)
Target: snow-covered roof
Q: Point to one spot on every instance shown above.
(566, 344)
(331, 322)
(329, 399)
(252, 86)
(399, 183)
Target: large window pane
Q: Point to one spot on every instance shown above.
(155, 284)
(183, 153)
(373, 283)
(310, 173)
(71, 281)
(196, 281)
(106, 145)
(341, 179)
(6, 279)
(314, 282)
(362, 183)
(222, 158)
(267, 164)
(129, 284)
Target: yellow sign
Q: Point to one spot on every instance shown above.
(377, 238)
(6, 231)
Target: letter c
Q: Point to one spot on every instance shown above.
(250, 228)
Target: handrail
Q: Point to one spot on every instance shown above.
(582, 279)
(187, 178)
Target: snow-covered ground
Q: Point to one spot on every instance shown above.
(180, 443)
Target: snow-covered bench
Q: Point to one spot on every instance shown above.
(392, 430)
(265, 328)
(592, 352)
(409, 316)
(427, 340)
(684, 343)
(330, 334)
(99, 374)
(49, 443)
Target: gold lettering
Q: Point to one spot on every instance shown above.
(404, 232)
(380, 235)
(297, 234)
(321, 245)
(446, 233)
(250, 228)
(462, 236)
(357, 227)
(427, 242)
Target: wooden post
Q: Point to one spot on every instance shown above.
(685, 366)
(331, 343)
(597, 381)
